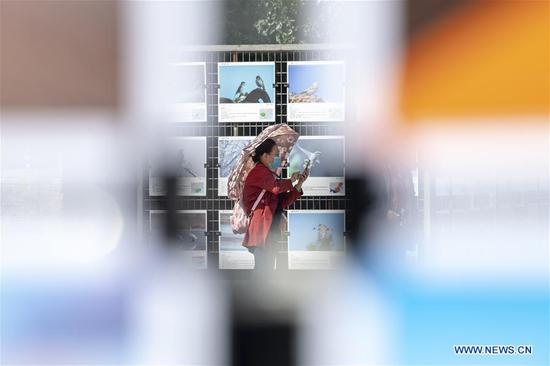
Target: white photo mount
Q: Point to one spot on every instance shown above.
(304, 105)
(299, 257)
(229, 87)
(193, 111)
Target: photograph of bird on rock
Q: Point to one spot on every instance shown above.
(244, 83)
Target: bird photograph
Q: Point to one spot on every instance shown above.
(316, 231)
(191, 229)
(315, 83)
(324, 238)
(325, 156)
(183, 167)
(306, 96)
(260, 82)
(188, 240)
(240, 94)
(189, 159)
(313, 158)
(246, 83)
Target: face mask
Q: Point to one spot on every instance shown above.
(276, 163)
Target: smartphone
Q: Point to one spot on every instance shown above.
(306, 167)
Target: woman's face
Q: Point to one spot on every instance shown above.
(267, 159)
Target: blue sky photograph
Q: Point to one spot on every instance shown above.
(230, 78)
(329, 79)
(303, 228)
(326, 157)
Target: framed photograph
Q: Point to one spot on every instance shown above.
(229, 151)
(326, 158)
(186, 158)
(247, 92)
(316, 91)
(232, 255)
(316, 239)
(191, 241)
(188, 88)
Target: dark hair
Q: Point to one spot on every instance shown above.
(264, 148)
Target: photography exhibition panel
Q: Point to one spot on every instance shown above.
(190, 240)
(325, 156)
(186, 158)
(187, 86)
(316, 239)
(246, 92)
(316, 91)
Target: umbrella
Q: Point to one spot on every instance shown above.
(285, 138)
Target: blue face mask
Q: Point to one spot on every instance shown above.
(276, 163)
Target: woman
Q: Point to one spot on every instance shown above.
(267, 223)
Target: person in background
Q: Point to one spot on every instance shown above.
(266, 222)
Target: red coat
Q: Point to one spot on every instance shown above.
(261, 177)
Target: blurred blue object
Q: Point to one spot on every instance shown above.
(433, 317)
(59, 320)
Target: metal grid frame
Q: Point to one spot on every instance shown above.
(213, 129)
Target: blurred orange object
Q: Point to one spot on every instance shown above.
(485, 59)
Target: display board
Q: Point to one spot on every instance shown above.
(210, 148)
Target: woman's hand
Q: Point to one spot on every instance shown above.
(304, 176)
(295, 176)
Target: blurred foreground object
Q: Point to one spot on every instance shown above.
(483, 59)
(59, 54)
